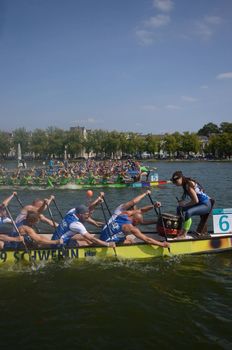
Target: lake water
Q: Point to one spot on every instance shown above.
(183, 302)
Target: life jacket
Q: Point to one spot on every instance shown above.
(114, 228)
(63, 230)
(201, 195)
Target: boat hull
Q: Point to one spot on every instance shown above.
(214, 244)
(76, 186)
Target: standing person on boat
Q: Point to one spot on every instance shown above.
(37, 206)
(72, 229)
(121, 227)
(28, 235)
(3, 215)
(199, 203)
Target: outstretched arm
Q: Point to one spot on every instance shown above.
(136, 232)
(7, 238)
(149, 222)
(149, 207)
(38, 238)
(94, 239)
(50, 199)
(94, 222)
(136, 200)
(98, 200)
(47, 221)
(8, 199)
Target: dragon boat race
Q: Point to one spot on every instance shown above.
(115, 174)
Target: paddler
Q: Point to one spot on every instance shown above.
(72, 229)
(26, 235)
(121, 227)
(199, 203)
(37, 206)
(3, 215)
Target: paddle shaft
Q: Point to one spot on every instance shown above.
(17, 230)
(104, 214)
(57, 208)
(153, 204)
(161, 216)
(108, 209)
(16, 196)
(180, 209)
(51, 216)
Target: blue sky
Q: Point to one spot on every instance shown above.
(129, 65)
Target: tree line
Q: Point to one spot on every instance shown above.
(211, 140)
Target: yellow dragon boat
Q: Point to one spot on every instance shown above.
(213, 243)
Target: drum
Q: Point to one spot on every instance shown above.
(172, 224)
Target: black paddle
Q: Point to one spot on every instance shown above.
(21, 204)
(51, 216)
(57, 208)
(161, 216)
(180, 209)
(17, 230)
(106, 206)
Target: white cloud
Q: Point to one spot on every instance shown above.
(227, 75)
(87, 121)
(206, 26)
(173, 107)
(163, 5)
(145, 33)
(157, 21)
(213, 19)
(203, 30)
(189, 98)
(204, 87)
(150, 108)
(145, 37)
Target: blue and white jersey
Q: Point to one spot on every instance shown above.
(4, 220)
(113, 231)
(202, 197)
(69, 227)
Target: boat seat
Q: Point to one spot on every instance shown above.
(202, 227)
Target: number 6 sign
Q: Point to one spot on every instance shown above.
(222, 220)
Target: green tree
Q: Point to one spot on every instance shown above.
(208, 129)
(98, 141)
(39, 143)
(89, 142)
(21, 136)
(190, 143)
(56, 141)
(75, 142)
(111, 143)
(170, 144)
(151, 144)
(226, 127)
(135, 144)
(5, 144)
(220, 145)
